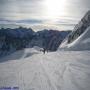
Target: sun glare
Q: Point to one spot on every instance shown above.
(54, 8)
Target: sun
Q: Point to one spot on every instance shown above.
(54, 8)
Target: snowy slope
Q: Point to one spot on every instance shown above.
(81, 43)
(79, 39)
(30, 69)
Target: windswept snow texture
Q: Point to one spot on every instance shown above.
(30, 69)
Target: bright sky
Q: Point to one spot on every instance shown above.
(48, 13)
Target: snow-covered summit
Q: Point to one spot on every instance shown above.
(79, 39)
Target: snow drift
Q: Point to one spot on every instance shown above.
(30, 69)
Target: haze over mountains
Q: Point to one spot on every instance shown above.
(19, 38)
(42, 14)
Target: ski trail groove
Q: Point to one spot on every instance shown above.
(47, 74)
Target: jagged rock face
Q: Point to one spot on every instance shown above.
(80, 27)
(49, 39)
(14, 39)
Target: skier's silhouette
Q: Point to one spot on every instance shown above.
(44, 50)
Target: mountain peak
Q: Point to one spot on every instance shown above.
(75, 41)
(80, 27)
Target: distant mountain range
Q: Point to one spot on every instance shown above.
(19, 38)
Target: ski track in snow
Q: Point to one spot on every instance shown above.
(68, 70)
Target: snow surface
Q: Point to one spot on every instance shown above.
(81, 43)
(30, 69)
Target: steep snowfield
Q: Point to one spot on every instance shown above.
(81, 43)
(30, 69)
(79, 39)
